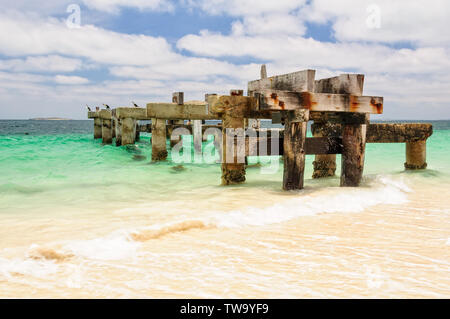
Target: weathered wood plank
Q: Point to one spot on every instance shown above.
(300, 81)
(313, 146)
(275, 100)
(187, 111)
(92, 115)
(137, 113)
(342, 84)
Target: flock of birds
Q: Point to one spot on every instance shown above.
(108, 107)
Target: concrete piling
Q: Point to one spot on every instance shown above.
(233, 156)
(118, 126)
(159, 148)
(416, 155)
(97, 128)
(128, 131)
(106, 118)
(294, 149)
(353, 151)
(336, 105)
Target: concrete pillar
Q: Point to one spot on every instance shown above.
(106, 131)
(138, 132)
(295, 128)
(128, 131)
(159, 148)
(198, 137)
(416, 155)
(176, 139)
(118, 126)
(325, 165)
(233, 154)
(353, 151)
(97, 127)
(113, 123)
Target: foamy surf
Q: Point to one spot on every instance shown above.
(382, 190)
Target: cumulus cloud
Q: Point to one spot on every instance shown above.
(113, 6)
(65, 79)
(421, 22)
(50, 63)
(144, 68)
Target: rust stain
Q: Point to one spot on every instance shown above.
(281, 104)
(307, 101)
(377, 107)
(354, 103)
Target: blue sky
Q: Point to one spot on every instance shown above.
(145, 50)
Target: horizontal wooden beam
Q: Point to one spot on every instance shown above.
(313, 145)
(342, 84)
(398, 133)
(92, 115)
(105, 114)
(187, 111)
(300, 81)
(138, 113)
(275, 100)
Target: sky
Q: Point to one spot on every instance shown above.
(58, 56)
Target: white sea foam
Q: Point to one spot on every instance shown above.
(29, 267)
(116, 246)
(382, 190)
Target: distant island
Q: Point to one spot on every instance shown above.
(49, 119)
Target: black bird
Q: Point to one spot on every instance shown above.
(135, 105)
(89, 109)
(107, 106)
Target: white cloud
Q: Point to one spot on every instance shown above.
(246, 8)
(50, 63)
(113, 6)
(144, 68)
(64, 79)
(423, 22)
(33, 36)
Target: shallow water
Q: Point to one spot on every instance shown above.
(81, 219)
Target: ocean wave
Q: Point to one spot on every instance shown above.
(148, 234)
(125, 244)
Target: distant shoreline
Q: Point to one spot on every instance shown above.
(49, 119)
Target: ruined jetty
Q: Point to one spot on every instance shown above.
(337, 107)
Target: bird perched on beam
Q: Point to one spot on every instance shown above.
(107, 106)
(135, 105)
(89, 109)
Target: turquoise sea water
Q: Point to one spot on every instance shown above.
(47, 164)
(83, 219)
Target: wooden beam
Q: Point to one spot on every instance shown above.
(300, 81)
(92, 115)
(188, 111)
(398, 133)
(137, 113)
(275, 100)
(342, 84)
